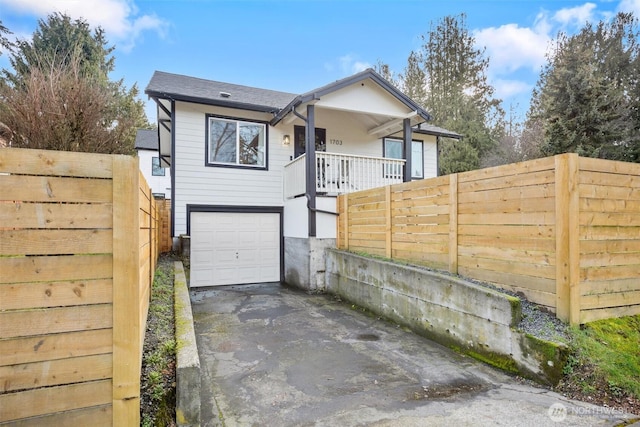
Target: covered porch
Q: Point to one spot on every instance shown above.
(338, 173)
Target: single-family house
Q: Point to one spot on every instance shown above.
(158, 178)
(256, 172)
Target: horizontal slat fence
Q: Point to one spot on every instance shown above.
(78, 235)
(563, 230)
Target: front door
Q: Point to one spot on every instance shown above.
(299, 140)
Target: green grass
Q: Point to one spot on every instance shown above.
(159, 354)
(612, 348)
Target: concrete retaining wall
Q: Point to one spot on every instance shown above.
(304, 262)
(187, 359)
(473, 319)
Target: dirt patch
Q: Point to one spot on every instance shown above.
(583, 384)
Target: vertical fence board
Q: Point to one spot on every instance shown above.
(453, 223)
(126, 328)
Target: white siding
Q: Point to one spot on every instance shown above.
(158, 184)
(196, 183)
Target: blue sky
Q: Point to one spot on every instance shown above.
(297, 45)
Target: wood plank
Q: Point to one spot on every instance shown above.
(524, 231)
(608, 166)
(594, 191)
(609, 205)
(420, 238)
(593, 232)
(509, 242)
(442, 229)
(593, 287)
(567, 238)
(54, 242)
(53, 189)
(127, 330)
(610, 179)
(388, 219)
(454, 221)
(610, 219)
(55, 268)
(31, 403)
(55, 372)
(611, 272)
(508, 267)
(23, 323)
(510, 169)
(55, 346)
(539, 191)
(441, 200)
(421, 210)
(587, 316)
(522, 218)
(55, 294)
(609, 246)
(512, 255)
(425, 192)
(610, 300)
(607, 259)
(421, 220)
(534, 204)
(55, 163)
(94, 416)
(421, 183)
(55, 215)
(509, 181)
(421, 248)
(537, 289)
(433, 260)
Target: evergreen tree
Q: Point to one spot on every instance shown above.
(452, 81)
(587, 96)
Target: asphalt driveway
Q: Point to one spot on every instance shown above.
(274, 356)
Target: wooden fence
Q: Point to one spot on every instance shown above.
(563, 230)
(165, 241)
(78, 250)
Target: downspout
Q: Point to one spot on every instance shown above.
(310, 179)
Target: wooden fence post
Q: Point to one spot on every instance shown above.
(453, 223)
(345, 221)
(387, 214)
(567, 238)
(126, 292)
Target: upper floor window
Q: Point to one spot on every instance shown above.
(156, 170)
(236, 143)
(393, 150)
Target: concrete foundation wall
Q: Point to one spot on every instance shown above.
(471, 318)
(304, 262)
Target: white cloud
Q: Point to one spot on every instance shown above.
(349, 64)
(630, 6)
(511, 47)
(510, 88)
(575, 16)
(119, 18)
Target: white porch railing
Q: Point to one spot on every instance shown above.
(342, 173)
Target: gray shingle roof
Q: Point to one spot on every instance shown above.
(187, 88)
(146, 139)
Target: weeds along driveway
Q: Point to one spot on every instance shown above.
(275, 356)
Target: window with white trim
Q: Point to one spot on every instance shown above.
(393, 150)
(236, 143)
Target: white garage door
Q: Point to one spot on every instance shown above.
(230, 248)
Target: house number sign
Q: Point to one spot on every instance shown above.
(335, 141)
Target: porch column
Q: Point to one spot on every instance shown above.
(406, 136)
(310, 148)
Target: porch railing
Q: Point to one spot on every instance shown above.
(342, 173)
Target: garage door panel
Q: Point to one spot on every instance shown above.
(235, 248)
